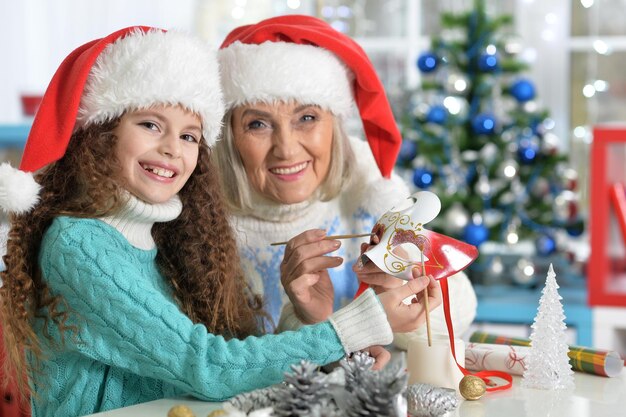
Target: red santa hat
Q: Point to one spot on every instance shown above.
(133, 68)
(304, 59)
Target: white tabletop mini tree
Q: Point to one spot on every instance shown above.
(548, 365)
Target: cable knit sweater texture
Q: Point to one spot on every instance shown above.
(355, 210)
(133, 344)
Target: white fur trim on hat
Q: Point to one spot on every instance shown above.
(282, 71)
(369, 187)
(19, 192)
(142, 70)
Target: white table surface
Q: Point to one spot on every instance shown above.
(594, 396)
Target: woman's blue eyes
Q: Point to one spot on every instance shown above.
(258, 124)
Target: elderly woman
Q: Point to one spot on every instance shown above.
(290, 172)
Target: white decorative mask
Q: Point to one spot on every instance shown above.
(405, 243)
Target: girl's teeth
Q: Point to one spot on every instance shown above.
(287, 171)
(159, 171)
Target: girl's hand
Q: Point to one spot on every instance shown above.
(371, 275)
(304, 275)
(381, 356)
(405, 318)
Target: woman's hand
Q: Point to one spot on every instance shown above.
(405, 318)
(371, 275)
(304, 275)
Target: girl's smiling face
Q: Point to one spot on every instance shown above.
(157, 149)
(285, 148)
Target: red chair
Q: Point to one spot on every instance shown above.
(9, 403)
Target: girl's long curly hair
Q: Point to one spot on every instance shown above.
(197, 252)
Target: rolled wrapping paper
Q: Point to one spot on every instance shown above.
(506, 358)
(583, 359)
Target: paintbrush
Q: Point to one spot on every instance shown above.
(331, 238)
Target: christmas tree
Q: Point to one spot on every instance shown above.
(548, 365)
(476, 136)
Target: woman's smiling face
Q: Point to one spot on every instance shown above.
(285, 148)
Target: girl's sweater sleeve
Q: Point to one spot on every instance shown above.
(123, 320)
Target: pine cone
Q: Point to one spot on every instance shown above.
(379, 393)
(326, 408)
(304, 389)
(255, 400)
(425, 400)
(359, 363)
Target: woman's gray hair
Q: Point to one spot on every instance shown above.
(236, 187)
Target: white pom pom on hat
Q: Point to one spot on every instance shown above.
(19, 192)
(133, 68)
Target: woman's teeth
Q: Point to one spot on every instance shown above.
(161, 172)
(291, 170)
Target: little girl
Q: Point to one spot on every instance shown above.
(122, 283)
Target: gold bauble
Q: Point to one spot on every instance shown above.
(472, 387)
(217, 413)
(180, 411)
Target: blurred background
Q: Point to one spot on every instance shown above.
(569, 56)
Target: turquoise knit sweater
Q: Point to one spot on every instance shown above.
(132, 343)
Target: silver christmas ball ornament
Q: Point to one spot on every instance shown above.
(469, 156)
(507, 198)
(456, 106)
(508, 169)
(531, 106)
(524, 272)
(565, 206)
(456, 218)
(483, 187)
(457, 83)
(495, 269)
(489, 153)
(492, 217)
(550, 144)
(569, 179)
(420, 110)
(540, 187)
(513, 44)
(508, 135)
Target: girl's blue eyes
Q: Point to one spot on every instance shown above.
(155, 127)
(149, 125)
(189, 138)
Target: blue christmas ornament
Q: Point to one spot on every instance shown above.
(575, 229)
(437, 114)
(527, 151)
(475, 233)
(427, 62)
(545, 245)
(408, 150)
(484, 124)
(488, 62)
(422, 177)
(523, 90)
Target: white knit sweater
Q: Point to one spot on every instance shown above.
(355, 210)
